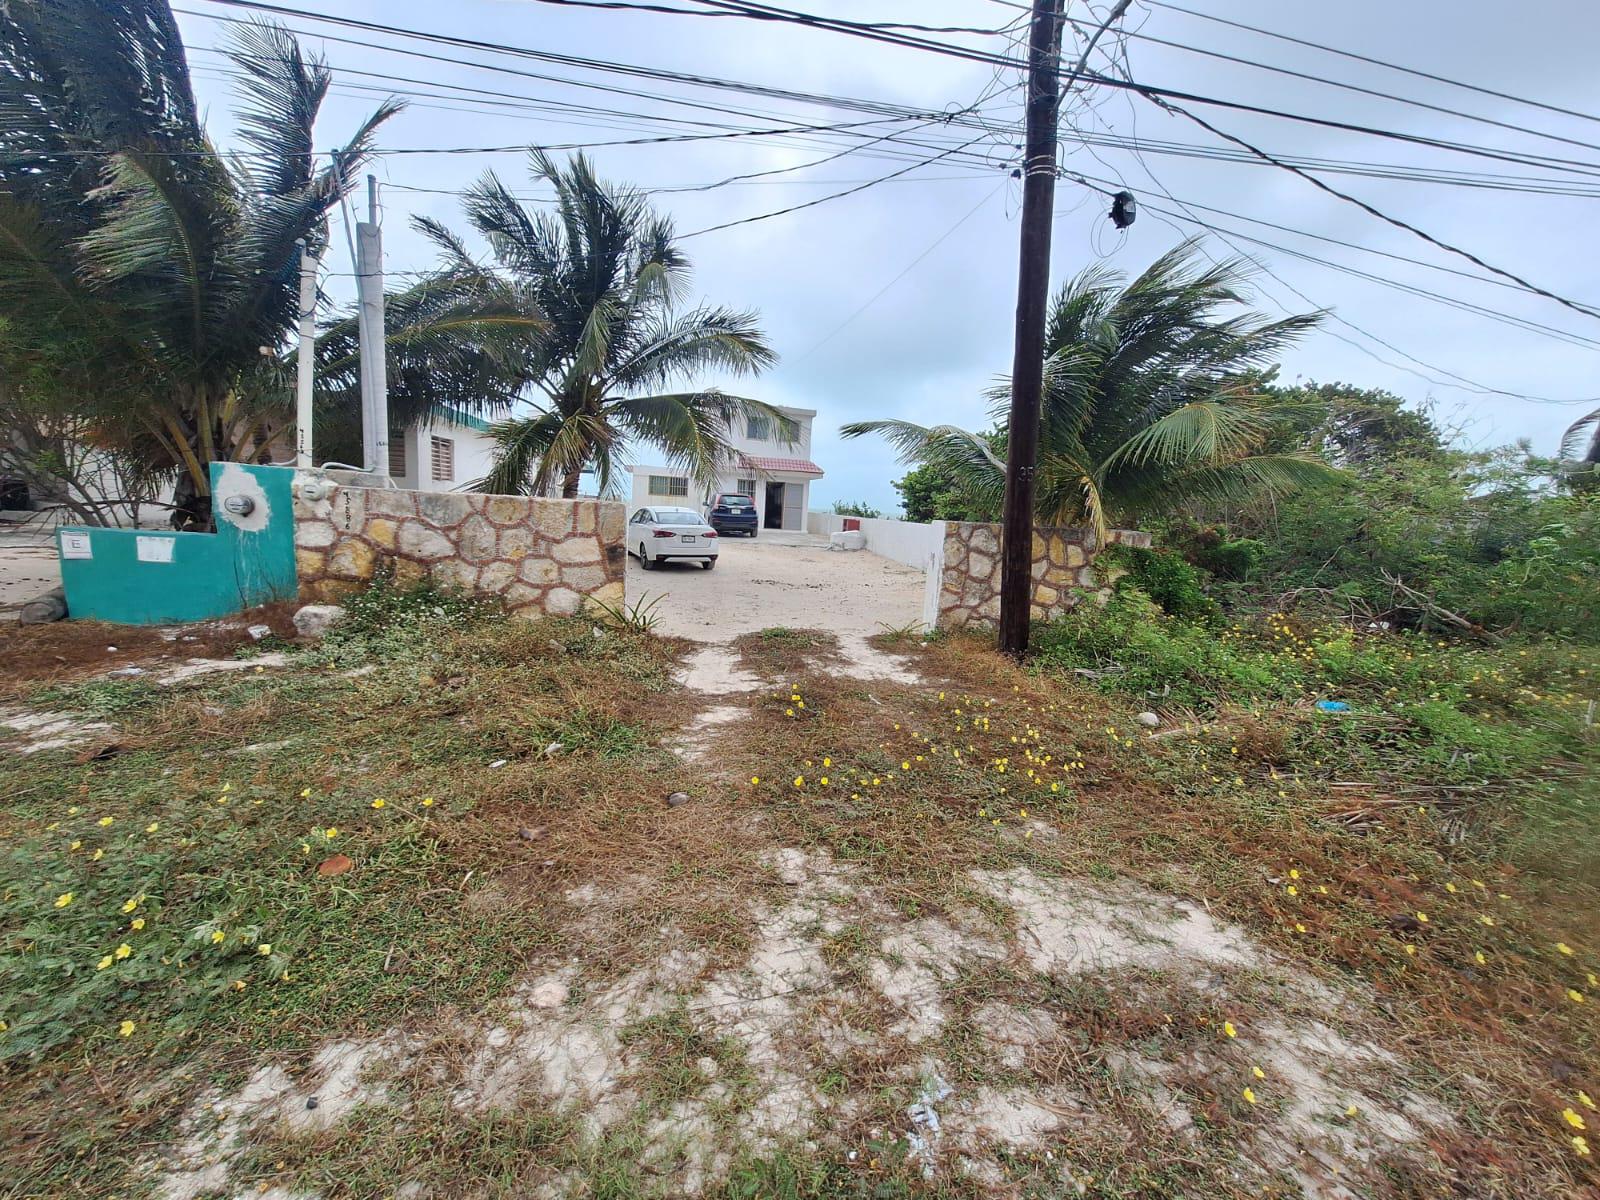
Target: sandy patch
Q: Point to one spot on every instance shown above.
(590, 1045)
(780, 579)
(23, 731)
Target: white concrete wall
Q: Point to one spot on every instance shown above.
(909, 542)
(739, 437)
(474, 457)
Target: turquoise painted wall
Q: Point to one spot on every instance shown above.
(148, 577)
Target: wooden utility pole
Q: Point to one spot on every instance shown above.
(1033, 297)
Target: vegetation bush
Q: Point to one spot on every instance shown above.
(855, 508)
(1167, 578)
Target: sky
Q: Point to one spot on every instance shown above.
(898, 300)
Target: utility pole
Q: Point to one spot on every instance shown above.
(374, 370)
(1033, 297)
(305, 360)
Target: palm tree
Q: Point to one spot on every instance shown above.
(604, 272)
(1149, 401)
(164, 269)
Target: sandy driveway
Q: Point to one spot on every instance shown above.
(780, 579)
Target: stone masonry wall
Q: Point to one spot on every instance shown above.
(1063, 571)
(541, 557)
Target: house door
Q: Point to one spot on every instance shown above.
(773, 517)
(794, 509)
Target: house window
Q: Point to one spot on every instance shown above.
(397, 455)
(444, 460)
(669, 485)
(745, 487)
(759, 429)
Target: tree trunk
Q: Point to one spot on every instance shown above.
(569, 485)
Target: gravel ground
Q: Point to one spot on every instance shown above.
(779, 579)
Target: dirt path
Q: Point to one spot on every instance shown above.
(780, 579)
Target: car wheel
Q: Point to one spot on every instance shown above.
(708, 563)
(752, 533)
(644, 559)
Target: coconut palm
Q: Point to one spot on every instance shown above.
(134, 246)
(604, 271)
(1149, 401)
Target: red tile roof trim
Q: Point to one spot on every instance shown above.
(797, 466)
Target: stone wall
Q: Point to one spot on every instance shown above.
(1064, 571)
(540, 557)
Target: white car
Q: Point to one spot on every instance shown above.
(655, 534)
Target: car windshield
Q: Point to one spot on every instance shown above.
(736, 501)
(676, 516)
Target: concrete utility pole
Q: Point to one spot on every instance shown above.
(305, 359)
(1033, 297)
(374, 369)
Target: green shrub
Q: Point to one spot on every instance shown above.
(1168, 580)
(855, 508)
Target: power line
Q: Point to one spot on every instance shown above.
(1349, 87)
(824, 199)
(769, 12)
(1382, 216)
(689, 12)
(1376, 62)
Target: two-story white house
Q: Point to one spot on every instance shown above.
(776, 471)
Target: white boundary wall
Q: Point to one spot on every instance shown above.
(908, 542)
(914, 543)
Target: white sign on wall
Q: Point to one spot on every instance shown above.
(155, 549)
(76, 545)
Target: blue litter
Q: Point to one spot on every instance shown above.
(1332, 706)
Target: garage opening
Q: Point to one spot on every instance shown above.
(784, 508)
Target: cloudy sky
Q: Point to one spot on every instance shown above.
(898, 300)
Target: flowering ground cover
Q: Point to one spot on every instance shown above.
(455, 906)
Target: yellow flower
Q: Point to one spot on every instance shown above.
(427, 802)
(1258, 1072)
(1410, 949)
(1294, 874)
(1249, 1095)
(75, 845)
(1572, 1118)
(126, 1029)
(104, 821)
(799, 781)
(97, 856)
(1227, 1028)
(152, 827)
(1299, 927)
(305, 793)
(379, 803)
(123, 950)
(823, 781)
(1564, 948)
(218, 937)
(130, 904)
(827, 762)
(64, 899)
(754, 780)
(1351, 1111)
(1575, 995)
(1581, 1145)
(332, 831)
(137, 923)
(1583, 1099)
(1450, 887)
(905, 766)
(1292, 890)
(239, 985)
(788, 712)
(1481, 959)
(1423, 917)
(264, 948)
(1486, 919)
(104, 963)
